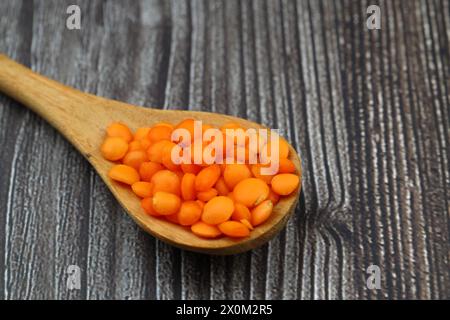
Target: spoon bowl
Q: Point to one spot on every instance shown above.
(82, 118)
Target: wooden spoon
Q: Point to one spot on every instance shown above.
(82, 118)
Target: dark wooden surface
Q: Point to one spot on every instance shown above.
(368, 111)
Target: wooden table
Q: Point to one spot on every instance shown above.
(367, 109)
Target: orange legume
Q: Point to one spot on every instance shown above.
(135, 158)
(114, 148)
(166, 181)
(167, 157)
(166, 203)
(262, 212)
(187, 124)
(285, 183)
(207, 178)
(217, 210)
(234, 229)
(286, 166)
(135, 145)
(222, 187)
(141, 133)
(207, 195)
(142, 189)
(188, 186)
(156, 151)
(124, 174)
(240, 212)
(148, 169)
(205, 230)
(283, 148)
(190, 212)
(147, 205)
(119, 130)
(251, 192)
(160, 132)
(256, 170)
(234, 173)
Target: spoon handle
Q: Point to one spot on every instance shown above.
(77, 115)
(50, 99)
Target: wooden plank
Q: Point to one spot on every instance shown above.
(16, 35)
(367, 109)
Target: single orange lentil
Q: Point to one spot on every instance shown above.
(188, 186)
(218, 210)
(286, 166)
(166, 181)
(283, 148)
(119, 130)
(147, 205)
(251, 192)
(207, 178)
(285, 183)
(222, 187)
(187, 124)
(142, 189)
(261, 213)
(256, 170)
(148, 169)
(124, 173)
(159, 132)
(166, 203)
(205, 230)
(166, 159)
(135, 158)
(141, 133)
(207, 195)
(234, 229)
(135, 145)
(190, 212)
(247, 223)
(114, 148)
(234, 173)
(156, 151)
(240, 212)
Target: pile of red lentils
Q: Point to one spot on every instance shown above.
(212, 200)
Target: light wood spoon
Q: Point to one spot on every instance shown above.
(82, 118)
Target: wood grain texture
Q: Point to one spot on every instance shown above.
(368, 110)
